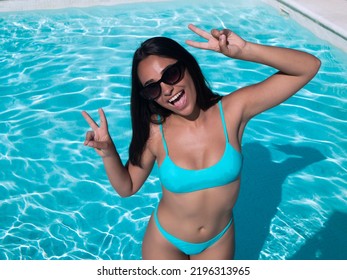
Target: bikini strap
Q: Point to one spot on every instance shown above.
(162, 136)
(223, 120)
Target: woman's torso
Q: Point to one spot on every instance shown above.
(199, 214)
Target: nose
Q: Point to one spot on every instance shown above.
(166, 89)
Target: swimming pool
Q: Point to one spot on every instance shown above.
(55, 199)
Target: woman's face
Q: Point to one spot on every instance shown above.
(179, 98)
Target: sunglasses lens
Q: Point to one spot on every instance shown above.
(172, 75)
(152, 91)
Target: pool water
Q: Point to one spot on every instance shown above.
(55, 199)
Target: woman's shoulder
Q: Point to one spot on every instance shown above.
(154, 135)
(154, 127)
(233, 103)
(231, 99)
(236, 94)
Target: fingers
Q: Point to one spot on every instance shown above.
(223, 43)
(89, 137)
(217, 39)
(91, 142)
(203, 34)
(198, 45)
(103, 120)
(98, 133)
(98, 145)
(222, 37)
(199, 31)
(90, 121)
(215, 33)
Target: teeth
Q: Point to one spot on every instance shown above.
(173, 99)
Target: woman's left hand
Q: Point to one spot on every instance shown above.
(224, 41)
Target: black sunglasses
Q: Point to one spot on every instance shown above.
(171, 76)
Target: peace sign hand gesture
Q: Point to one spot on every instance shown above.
(222, 41)
(99, 138)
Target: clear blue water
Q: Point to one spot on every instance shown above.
(55, 199)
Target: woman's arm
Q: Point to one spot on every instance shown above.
(295, 69)
(128, 179)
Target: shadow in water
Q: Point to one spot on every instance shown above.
(330, 243)
(261, 192)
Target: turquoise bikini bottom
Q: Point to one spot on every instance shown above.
(189, 248)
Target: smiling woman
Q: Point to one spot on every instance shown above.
(200, 181)
(172, 75)
(56, 201)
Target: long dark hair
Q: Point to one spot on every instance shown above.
(142, 110)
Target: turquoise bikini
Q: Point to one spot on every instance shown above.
(179, 180)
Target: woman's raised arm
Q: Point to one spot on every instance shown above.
(295, 68)
(126, 180)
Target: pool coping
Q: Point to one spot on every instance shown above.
(27, 5)
(326, 19)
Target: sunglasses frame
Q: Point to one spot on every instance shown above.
(181, 68)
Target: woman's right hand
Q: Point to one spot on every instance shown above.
(99, 138)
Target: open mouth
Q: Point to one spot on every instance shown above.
(173, 100)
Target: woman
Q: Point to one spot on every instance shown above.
(195, 137)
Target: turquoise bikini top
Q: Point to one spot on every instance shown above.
(180, 180)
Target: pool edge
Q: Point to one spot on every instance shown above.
(25, 5)
(317, 16)
(321, 21)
